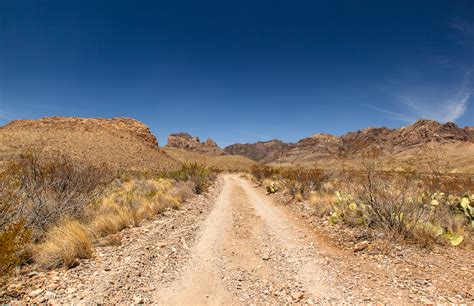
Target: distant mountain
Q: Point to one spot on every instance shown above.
(324, 149)
(262, 151)
(193, 144)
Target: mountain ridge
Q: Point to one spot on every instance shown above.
(389, 141)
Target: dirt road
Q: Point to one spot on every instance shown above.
(249, 250)
(231, 246)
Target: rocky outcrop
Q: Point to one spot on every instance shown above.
(262, 151)
(470, 131)
(324, 146)
(190, 143)
(117, 126)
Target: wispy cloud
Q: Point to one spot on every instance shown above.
(443, 109)
(463, 26)
(6, 116)
(447, 109)
(395, 115)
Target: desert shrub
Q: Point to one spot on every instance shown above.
(63, 245)
(198, 174)
(425, 207)
(44, 189)
(295, 182)
(10, 208)
(14, 239)
(261, 172)
(379, 198)
(298, 182)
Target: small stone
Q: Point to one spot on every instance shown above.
(53, 286)
(49, 294)
(55, 278)
(41, 299)
(361, 246)
(266, 256)
(71, 290)
(297, 295)
(138, 300)
(35, 293)
(13, 287)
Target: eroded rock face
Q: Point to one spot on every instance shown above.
(425, 131)
(183, 141)
(187, 142)
(470, 130)
(262, 151)
(384, 140)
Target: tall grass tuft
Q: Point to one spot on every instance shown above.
(63, 245)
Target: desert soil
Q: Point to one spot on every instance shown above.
(234, 245)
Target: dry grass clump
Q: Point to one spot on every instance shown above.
(64, 244)
(322, 203)
(111, 218)
(132, 202)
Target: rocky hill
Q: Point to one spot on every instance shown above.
(121, 142)
(325, 149)
(262, 151)
(189, 143)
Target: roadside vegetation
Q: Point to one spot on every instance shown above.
(53, 210)
(425, 208)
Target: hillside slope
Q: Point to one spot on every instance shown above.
(118, 142)
(223, 162)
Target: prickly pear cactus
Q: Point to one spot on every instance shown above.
(465, 204)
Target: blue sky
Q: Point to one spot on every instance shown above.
(239, 71)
